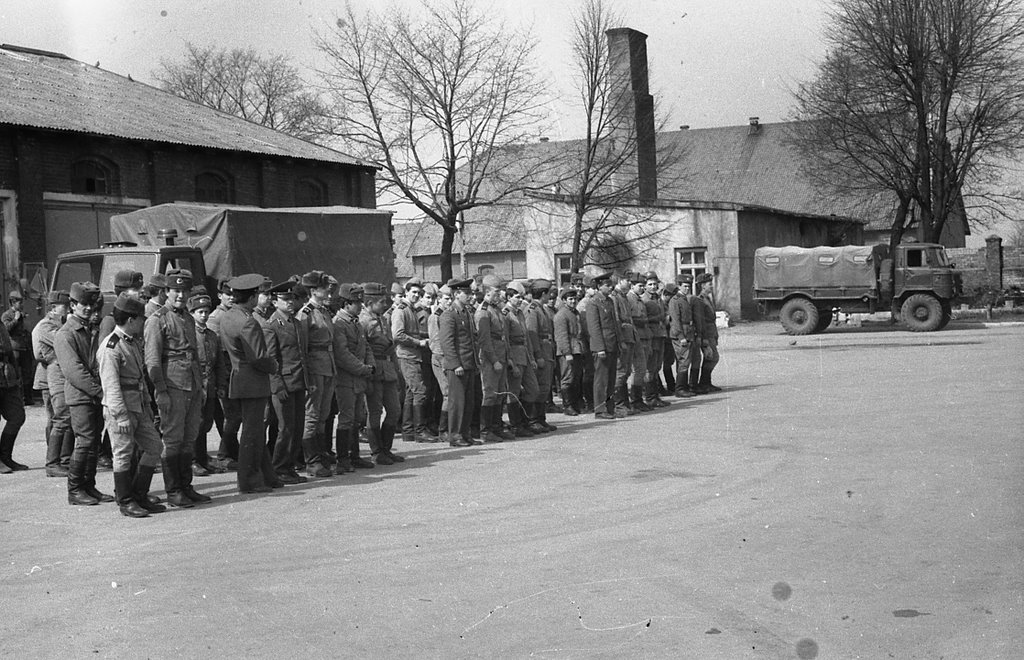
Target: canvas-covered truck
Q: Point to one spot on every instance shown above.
(804, 286)
(353, 244)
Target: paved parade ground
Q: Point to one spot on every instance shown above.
(856, 494)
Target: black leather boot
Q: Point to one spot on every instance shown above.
(123, 492)
(7, 439)
(172, 482)
(90, 480)
(542, 412)
(77, 494)
(140, 489)
(185, 470)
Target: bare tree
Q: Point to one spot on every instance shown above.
(438, 98)
(602, 180)
(267, 90)
(919, 99)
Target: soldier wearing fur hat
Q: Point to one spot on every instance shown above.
(492, 339)
(320, 379)
(382, 396)
(155, 293)
(127, 408)
(458, 341)
(173, 369)
(287, 344)
(60, 441)
(75, 345)
(704, 356)
(249, 386)
(542, 335)
(213, 370)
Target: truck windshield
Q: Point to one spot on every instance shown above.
(937, 257)
(137, 262)
(927, 257)
(86, 269)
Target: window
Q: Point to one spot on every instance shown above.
(90, 177)
(486, 269)
(563, 266)
(915, 258)
(692, 261)
(310, 192)
(214, 187)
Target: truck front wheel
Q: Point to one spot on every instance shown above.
(922, 313)
(799, 316)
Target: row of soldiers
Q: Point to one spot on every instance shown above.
(310, 350)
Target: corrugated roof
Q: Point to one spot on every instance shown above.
(51, 91)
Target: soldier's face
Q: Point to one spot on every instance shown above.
(201, 315)
(413, 294)
(177, 297)
(429, 299)
(651, 287)
(570, 302)
(515, 299)
(605, 288)
(492, 296)
(445, 301)
(706, 288)
(462, 296)
(285, 306)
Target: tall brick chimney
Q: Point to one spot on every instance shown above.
(627, 50)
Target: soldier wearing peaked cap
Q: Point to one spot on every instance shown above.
(681, 332)
(316, 317)
(458, 341)
(355, 366)
(128, 410)
(155, 292)
(59, 439)
(75, 345)
(542, 335)
(704, 356)
(657, 315)
(173, 369)
(287, 344)
(569, 348)
(226, 414)
(603, 331)
(249, 385)
(492, 339)
(382, 393)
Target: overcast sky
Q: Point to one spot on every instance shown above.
(713, 62)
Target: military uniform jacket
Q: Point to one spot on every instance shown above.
(286, 343)
(520, 348)
(251, 363)
(75, 345)
(381, 345)
(541, 331)
(171, 361)
(638, 315)
(122, 370)
(680, 318)
(42, 350)
(263, 314)
(21, 339)
(405, 328)
(434, 335)
(320, 333)
(602, 324)
(703, 319)
(656, 315)
(568, 340)
(352, 355)
(213, 361)
(213, 321)
(624, 316)
(151, 307)
(491, 335)
(457, 338)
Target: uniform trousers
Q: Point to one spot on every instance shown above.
(460, 401)
(492, 381)
(442, 382)
(318, 407)
(572, 374)
(180, 416)
(544, 374)
(668, 363)
(291, 418)
(415, 393)
(704, 361)
(200, 452)
(684, 357)
(381, 398)
(641, 355)
(623, 370)
(255, 469)
(228, 449)
(87, 424)
(61, 440)
(605, 374)
(142, 434)
(655, 359)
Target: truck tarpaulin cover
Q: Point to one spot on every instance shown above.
(817, 267)
(352, 244)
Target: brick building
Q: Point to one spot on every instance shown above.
(79, 144)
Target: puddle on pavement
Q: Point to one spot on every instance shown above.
(909, 614)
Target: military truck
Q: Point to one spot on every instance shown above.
(805, 286)
(353, 244)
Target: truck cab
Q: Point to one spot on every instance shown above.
(101, 264)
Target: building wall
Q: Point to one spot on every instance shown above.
(35, 164)
(507, 265)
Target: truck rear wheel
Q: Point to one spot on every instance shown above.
(947, 314)
(824, 319)
(799, 316)
(922, 313)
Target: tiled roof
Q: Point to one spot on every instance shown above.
(757, 168)
(51, 91)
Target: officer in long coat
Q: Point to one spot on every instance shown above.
(458, 341)
(603, 330)
(287, 344)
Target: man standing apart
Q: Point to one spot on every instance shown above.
(249, 387)
(704, 318)
(173, 369)
(459, 345)
(75, 345)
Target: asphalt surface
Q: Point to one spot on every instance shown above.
(856, 494)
